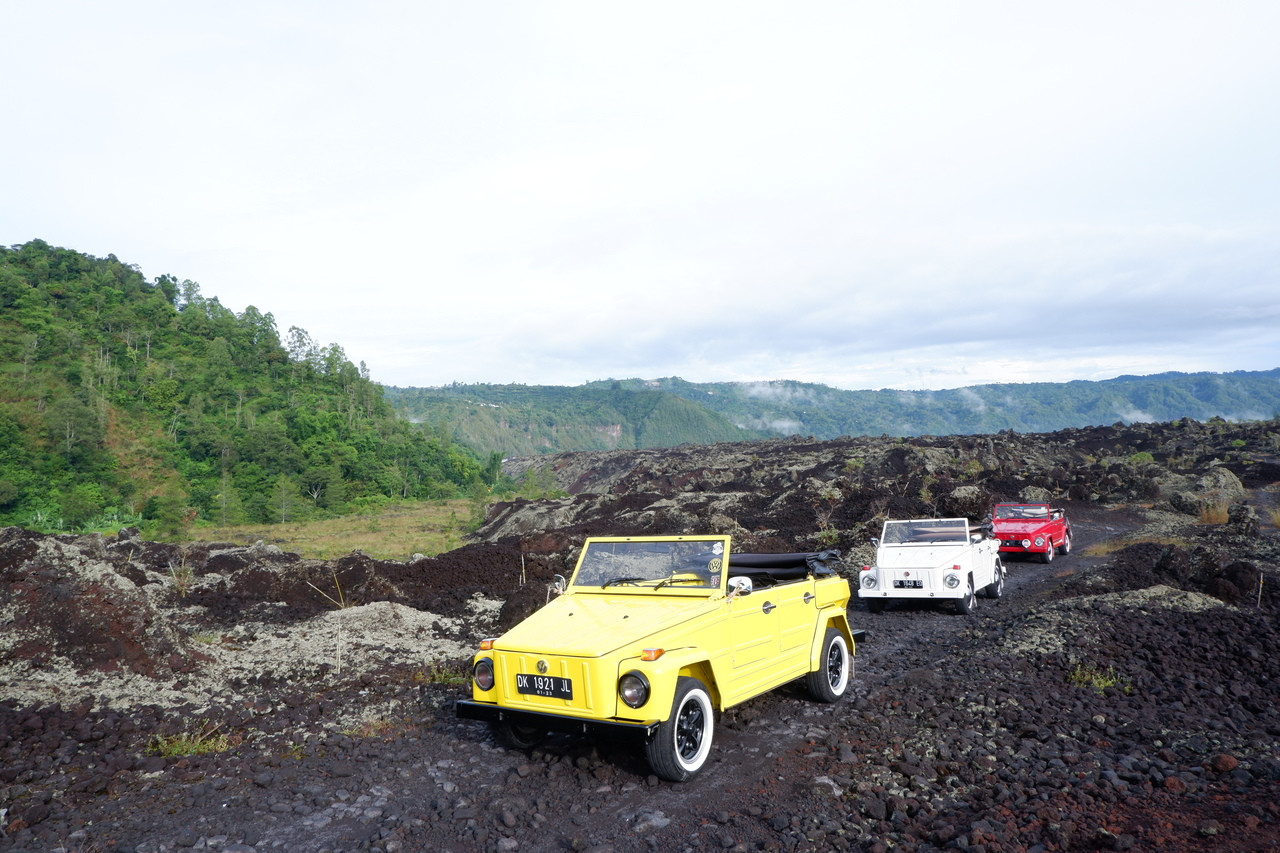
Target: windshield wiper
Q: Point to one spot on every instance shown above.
(631, 581)
(666, 581)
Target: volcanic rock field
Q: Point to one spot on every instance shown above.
(230, 696)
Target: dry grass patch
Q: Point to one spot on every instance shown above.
(393, 532)
(140, 450)
(380, 728)
(443, 673)
(1215, 514)
(1111, 546)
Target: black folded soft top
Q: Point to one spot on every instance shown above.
(783, 567)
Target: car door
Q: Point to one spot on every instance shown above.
(796, 606)
(984, 562)
(753, 634)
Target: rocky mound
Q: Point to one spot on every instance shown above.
(819, 494)
(134, 622)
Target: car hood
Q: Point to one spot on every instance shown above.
(920, 556)
(594, 625)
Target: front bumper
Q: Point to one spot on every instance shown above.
(935, 593)
(467, 709)
(1012, 547)
(911, 583)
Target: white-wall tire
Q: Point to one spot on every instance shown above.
(831, 679)
(682, 743)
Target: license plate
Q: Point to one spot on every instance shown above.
(908, 584)
(551, 686)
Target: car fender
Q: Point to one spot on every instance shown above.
(830, 617)
(663, 674)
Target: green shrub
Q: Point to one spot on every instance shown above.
(207, 740)
(1090, 675)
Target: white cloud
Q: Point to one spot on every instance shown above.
(1135, 416)
(973, 400)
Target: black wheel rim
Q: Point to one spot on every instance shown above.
(835, 665)
(689, 730)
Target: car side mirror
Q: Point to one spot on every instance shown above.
(739, 586)
(875, 542)
(557, 586)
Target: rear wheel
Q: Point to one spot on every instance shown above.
(964, 606)
(829, 681)
(680, 746)
(1065, 548)
(513, 736)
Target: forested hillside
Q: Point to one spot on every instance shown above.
(125, 398)
(527, 419)
(521, 420)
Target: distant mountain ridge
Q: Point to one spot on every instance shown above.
(519, 420)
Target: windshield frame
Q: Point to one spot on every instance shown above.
(925, 532)
(1022, 512)
(675, 565)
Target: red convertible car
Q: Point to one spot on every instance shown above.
(1031, 529)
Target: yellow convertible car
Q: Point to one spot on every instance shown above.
(655, 635)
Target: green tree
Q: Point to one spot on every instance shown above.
(324, 486)
(168, 286)
(227, 507)
(169, 514)
(492, 468)
(74, 427)
(80, 503)
(286, 499)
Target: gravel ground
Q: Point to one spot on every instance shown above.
(1107, 701)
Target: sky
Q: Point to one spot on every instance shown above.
(915, 194)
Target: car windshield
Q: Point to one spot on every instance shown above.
(1022, 511)
(929, 531)
(618, 564)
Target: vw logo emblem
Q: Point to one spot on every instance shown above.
(542, 667)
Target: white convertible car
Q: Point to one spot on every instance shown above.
(932, 559)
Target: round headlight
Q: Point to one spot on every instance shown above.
(482, 674)
(633, 689)
(1026, 543)
(952, 581)
(868, 581)
(1039, 541)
